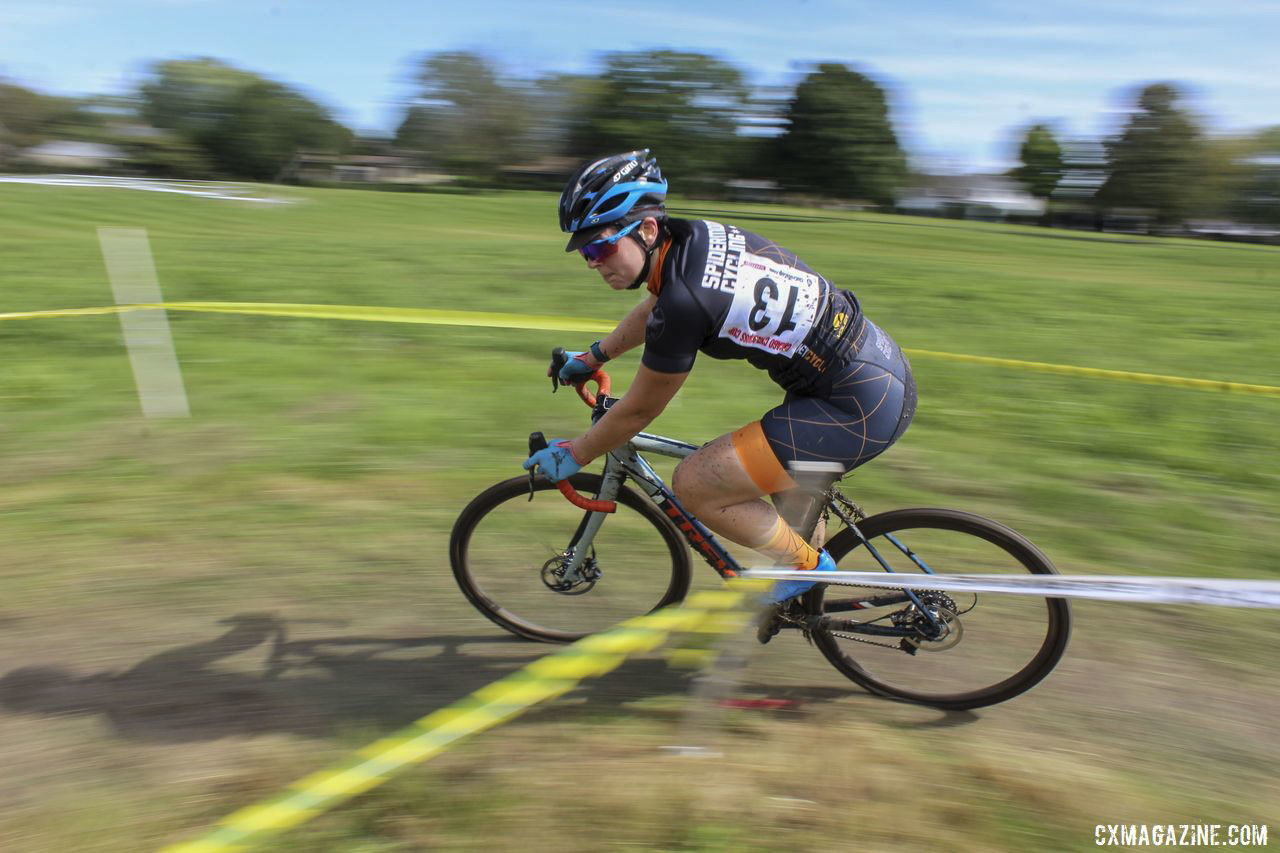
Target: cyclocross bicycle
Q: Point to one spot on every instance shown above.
(557, 570)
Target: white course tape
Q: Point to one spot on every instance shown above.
(207, 189)
(1144, 590)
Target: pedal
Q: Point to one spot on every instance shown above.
(769, 624)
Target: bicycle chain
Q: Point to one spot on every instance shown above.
(785, 617)
(858, 639)
(858, 514)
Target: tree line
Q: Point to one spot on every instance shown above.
(831, 136)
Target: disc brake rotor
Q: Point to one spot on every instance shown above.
(553, 575)
(951, 634)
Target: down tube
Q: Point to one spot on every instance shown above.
(700, 539)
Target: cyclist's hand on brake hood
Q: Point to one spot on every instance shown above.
(578, 368)
(555, 461)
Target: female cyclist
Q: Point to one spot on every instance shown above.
(723, 291)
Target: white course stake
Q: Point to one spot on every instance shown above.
(146, 332)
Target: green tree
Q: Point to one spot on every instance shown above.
(245, 125)
(839, 140)
(163, 155)
(1084, 171)
(24, 118)
(1157, 162)
(189, 95)
(763, 123)
(466, 118)
(267, 125)
(1042, 163)
(559, 101)
(1253, 186)
(29, 118)
(686, 107)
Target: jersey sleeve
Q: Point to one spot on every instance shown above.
(677, 326)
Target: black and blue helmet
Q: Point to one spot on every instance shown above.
(609, 191)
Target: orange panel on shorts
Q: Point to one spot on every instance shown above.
(759, 460)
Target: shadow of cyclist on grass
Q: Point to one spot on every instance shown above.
(310, 687)
(317, 687)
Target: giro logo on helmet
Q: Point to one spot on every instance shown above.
(625, 170)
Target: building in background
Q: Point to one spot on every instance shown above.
(64, 155)
(986, 197)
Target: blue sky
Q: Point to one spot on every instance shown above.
(963, 76)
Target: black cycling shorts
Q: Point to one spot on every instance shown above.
(858, 414)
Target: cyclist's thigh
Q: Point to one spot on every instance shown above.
(715, 473)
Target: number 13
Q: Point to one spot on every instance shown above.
(766, 292)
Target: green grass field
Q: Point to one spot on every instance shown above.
(148, 569)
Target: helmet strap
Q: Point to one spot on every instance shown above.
(649, 252)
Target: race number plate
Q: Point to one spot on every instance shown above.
(774, 305)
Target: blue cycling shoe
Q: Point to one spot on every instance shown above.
(786, 590)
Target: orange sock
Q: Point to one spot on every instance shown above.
(788, 548)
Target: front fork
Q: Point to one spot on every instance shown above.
(618, 465)
(579, 548)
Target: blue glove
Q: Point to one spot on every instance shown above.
(577, 368)
(555, 461)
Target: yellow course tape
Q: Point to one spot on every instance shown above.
(429, 316)
(543, 679)
(579, 324)
(1124, 375)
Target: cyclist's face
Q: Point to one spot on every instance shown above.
(621, 268)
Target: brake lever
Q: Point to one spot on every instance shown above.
(559, 357)
(537, 441)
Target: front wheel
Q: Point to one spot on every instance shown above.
(509, 556)
(990, 647)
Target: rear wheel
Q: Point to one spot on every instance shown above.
(509, 558)
(992, 646)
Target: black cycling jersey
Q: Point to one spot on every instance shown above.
(736, 295)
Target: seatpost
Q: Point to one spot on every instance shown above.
(802, 510)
